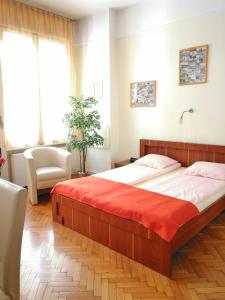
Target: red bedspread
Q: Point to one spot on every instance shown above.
(160, 213)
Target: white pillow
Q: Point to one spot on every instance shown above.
(207, 169)
(155, 161)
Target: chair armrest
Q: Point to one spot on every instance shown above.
(64, 160)
(27, 154)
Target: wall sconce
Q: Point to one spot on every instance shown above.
(191, 110)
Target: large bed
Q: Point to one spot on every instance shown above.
(132, 238)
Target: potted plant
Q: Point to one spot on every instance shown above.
(83, 123)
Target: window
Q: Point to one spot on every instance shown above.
(36, 87)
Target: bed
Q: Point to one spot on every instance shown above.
(131, 238)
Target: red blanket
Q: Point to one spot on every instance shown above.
(160, 213)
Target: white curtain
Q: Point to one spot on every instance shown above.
(37, 74)
(36, 89)
(20, 89)
(54, 89)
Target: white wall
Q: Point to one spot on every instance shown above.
(114, 90)
(93, 64)
(149, 14)
(153, 54)
(144, 45)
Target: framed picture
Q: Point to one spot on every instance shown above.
(193, 65)
(143, 93)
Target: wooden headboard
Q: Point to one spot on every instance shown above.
(185, 153)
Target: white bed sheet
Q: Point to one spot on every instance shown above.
(201, 191)
(133, 174)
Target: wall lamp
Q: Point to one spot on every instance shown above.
(191, 110)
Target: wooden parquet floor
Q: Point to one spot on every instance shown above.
(58, 263)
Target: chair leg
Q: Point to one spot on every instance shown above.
(33, 196)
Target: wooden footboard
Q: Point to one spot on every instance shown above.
(124, 236)
(128, 237)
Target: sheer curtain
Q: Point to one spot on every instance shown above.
(19, 76)
(36, 59)
(54, 86)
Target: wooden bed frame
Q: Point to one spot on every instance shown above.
(131, 238)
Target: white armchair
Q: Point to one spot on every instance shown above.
(46, 166)
(12, 212)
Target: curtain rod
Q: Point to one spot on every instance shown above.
(47, 12)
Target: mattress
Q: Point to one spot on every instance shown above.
(133, 174)
(201, 191)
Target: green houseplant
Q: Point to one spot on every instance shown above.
(83, 123)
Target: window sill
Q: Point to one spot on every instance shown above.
(22, 149)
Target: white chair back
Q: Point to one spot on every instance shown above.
(43, 156)
(13, 201)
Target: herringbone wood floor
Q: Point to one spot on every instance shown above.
(58, 263)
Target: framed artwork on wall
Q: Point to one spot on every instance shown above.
(193, 63)
(143, 93)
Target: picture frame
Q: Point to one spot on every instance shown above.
(143, 93)
(193, 65)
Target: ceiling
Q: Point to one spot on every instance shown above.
(75, 9)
